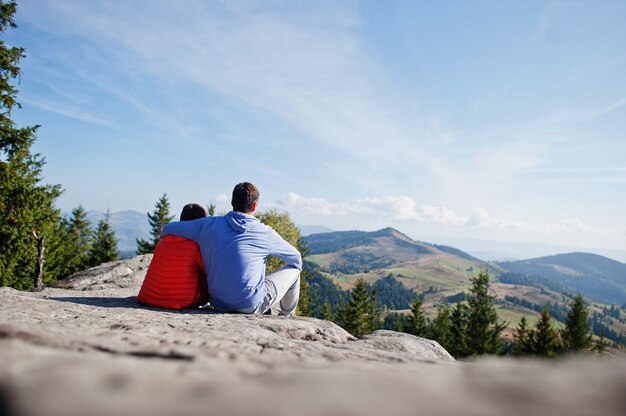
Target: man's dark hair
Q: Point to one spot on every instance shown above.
(193, 212)
(244, 195)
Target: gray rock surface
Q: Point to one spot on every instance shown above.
(92, 349)
(128, 273)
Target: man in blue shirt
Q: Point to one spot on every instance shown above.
(234, 250)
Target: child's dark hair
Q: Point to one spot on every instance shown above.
(193, 212)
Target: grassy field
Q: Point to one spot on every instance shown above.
(322, 260)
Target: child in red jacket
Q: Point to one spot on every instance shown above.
(176, 278)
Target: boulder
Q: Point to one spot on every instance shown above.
(127, 273)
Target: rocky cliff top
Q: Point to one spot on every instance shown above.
(87, 347)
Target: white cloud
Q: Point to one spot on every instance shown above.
(395, 208)
(481, 219)
(404, 210)
(67, 110)
(574, 225)
(441, 215)
(222, 198)
(398, 208)
(593, 113)
(306, 206)
(585, 114)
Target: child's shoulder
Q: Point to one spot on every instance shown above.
(173, 240)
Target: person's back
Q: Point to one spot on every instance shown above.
(236, 246)
(176, 276)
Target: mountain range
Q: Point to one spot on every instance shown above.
(442, 275)
(596, 277)
(372, 255)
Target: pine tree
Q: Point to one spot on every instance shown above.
(304, 303)
(282, 224)
(458, 346)
(577, 333)
(483, 325)
(358, 319)
(601, 344)
(104, 248)
(68, 246)
(341, 313)
(27, 212)
(79, 236)
(327, 312)
(545, 338)
(441, 328)
(523, 338)
(417, 321)
(57, 253)
(375, 316)
(159, 217)
(398, 324)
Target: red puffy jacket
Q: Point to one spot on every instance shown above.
(176, 278)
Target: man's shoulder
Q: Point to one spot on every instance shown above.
(268, 234)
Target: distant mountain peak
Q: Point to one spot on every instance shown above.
(580, 256)
(393, 233)
(338, 241)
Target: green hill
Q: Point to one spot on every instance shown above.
(596, 277)
(345, 240)
(346, 256)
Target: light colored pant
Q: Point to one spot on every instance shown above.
(283, 292)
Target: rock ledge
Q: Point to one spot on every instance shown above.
(91, 349)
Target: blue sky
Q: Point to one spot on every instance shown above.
(452, 121)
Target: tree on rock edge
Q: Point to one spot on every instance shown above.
(27, 211)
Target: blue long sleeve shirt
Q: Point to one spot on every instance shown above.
(234, 250)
